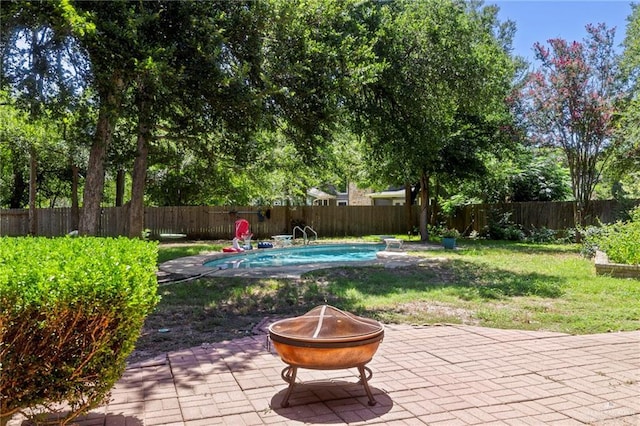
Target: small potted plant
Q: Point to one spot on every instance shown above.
(449, 238)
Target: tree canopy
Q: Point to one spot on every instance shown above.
(219, 102)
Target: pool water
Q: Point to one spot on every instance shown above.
(261, 258)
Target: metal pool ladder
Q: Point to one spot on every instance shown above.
(303, 231)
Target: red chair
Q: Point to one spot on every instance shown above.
(243, 233)
(243, 230)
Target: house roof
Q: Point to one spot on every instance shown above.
(319, 195)
(388, 194)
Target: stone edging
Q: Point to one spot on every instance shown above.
(603, 267)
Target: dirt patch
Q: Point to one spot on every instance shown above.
(162, 334)
(222, 310)
(446, 314)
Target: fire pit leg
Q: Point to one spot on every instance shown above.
(364, 379)
(289, 376)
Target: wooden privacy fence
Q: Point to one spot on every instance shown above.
(209, 222)
(534, 215)
(326, 221)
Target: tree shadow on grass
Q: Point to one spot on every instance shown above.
(520, 247)
(487, 283)
(456, 278)
(229, 307)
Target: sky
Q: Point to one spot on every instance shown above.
(541, 20)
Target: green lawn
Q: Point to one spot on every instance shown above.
(173, 251)
(493, 284)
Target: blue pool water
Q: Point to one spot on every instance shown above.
(260, 258)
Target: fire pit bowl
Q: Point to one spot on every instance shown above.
(326, 338)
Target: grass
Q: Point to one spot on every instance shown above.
(492, 284)
(174, 251)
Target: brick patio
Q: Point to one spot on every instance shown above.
(433, 375)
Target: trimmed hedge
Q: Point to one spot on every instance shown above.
(71, 310)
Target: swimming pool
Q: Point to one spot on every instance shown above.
(327, 253)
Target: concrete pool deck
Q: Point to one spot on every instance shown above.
(193, 266)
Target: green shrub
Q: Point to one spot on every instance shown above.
(590, 237)
(541, 235)
(71, 310)
(501, 227)
(450, 233)
(620, 240)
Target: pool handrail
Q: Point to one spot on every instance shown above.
(315, 234)
(304, 234)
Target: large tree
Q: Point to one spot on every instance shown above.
(108, 45)
(570, 102)
(183, 66)
(440, 99)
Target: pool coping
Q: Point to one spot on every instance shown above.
(193, 266)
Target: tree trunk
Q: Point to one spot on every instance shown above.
(139, 176)
(436, 205)
(577, 220)
(119, 187)
(19, 184)
(33, 188)
(408, 208)
(424, 206)
(94, 183)
(75, 206)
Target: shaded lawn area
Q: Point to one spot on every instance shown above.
(168, 251)
(503, 285)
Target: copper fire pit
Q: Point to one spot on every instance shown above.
(326, 338)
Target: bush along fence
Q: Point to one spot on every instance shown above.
(217, 222)
(71, 310)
